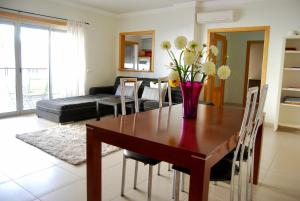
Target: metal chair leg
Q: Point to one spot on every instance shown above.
(135, 174)
(150, 182)
(177, 185)
(182, 182)
(158, 169)
(123, 176)
(173, 184)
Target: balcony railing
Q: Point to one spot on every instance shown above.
(35, 87)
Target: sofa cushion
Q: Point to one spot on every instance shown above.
(71, 103)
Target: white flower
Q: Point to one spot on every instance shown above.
(209, 68)
(166, 45)
(180, 42)
(224, 72)
(192, 45)
(173, 75)
(188, 58)
(214, 50)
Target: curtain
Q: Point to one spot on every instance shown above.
(76, 59)
(68, 67)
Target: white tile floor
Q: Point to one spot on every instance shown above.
(28, 174)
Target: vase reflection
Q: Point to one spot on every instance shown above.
(188, 137)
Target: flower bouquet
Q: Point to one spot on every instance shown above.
(193, 66)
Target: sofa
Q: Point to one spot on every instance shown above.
(62, 110)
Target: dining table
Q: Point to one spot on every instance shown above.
(163, 134)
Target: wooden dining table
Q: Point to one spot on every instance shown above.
(196, 144)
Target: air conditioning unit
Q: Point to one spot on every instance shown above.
(215, 17)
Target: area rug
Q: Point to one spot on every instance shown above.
(66, 142)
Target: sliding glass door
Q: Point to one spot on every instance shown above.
(31, 66)
(7, 69)
(34, 65)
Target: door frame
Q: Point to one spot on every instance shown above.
(246, 81)
(265, 29)
(217, 98)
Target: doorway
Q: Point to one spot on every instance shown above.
(254, 57)
(231, 91)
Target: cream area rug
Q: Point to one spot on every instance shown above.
(66, 142)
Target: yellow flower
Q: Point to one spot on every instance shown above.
(224, 72)
(180, 42)
(174, 83)
(173, 78)
(166, 45)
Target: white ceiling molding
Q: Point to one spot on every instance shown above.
(84, 7)
(191, 4)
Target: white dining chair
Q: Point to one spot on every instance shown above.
(259, 118)
(130, 154)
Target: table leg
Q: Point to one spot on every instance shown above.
(257, 154)
(98, 111)
(199, 180)
(116, 110)
(93, 165)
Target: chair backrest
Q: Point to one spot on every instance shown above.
(259, 118)
(135, 95)
(160, 80)
(245, 132)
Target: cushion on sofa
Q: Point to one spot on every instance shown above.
(70, 103)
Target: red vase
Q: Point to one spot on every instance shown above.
(190, 94)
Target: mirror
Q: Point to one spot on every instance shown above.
(136, 51)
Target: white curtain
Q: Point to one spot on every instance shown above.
(76, 66)
(68, 68)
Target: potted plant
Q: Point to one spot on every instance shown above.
(193, 66)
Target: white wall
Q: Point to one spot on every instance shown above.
(99, 35)
(236, 50)
(282, 16)
(167, 23)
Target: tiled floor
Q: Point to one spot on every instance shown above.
(28, 174)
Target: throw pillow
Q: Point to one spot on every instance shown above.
(150, 93)
(164, 88)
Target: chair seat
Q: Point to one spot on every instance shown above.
(219, 172)
(140, 157)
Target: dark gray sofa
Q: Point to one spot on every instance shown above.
(78, 108)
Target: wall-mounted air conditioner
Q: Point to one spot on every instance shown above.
(215, 17)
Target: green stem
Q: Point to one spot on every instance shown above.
(180, 57)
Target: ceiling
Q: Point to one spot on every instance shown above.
(125, 6)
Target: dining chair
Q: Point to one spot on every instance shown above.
(226, 169)
(259, 118)
(160, 80)
(130, 154)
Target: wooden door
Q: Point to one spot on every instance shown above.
(214, 90)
